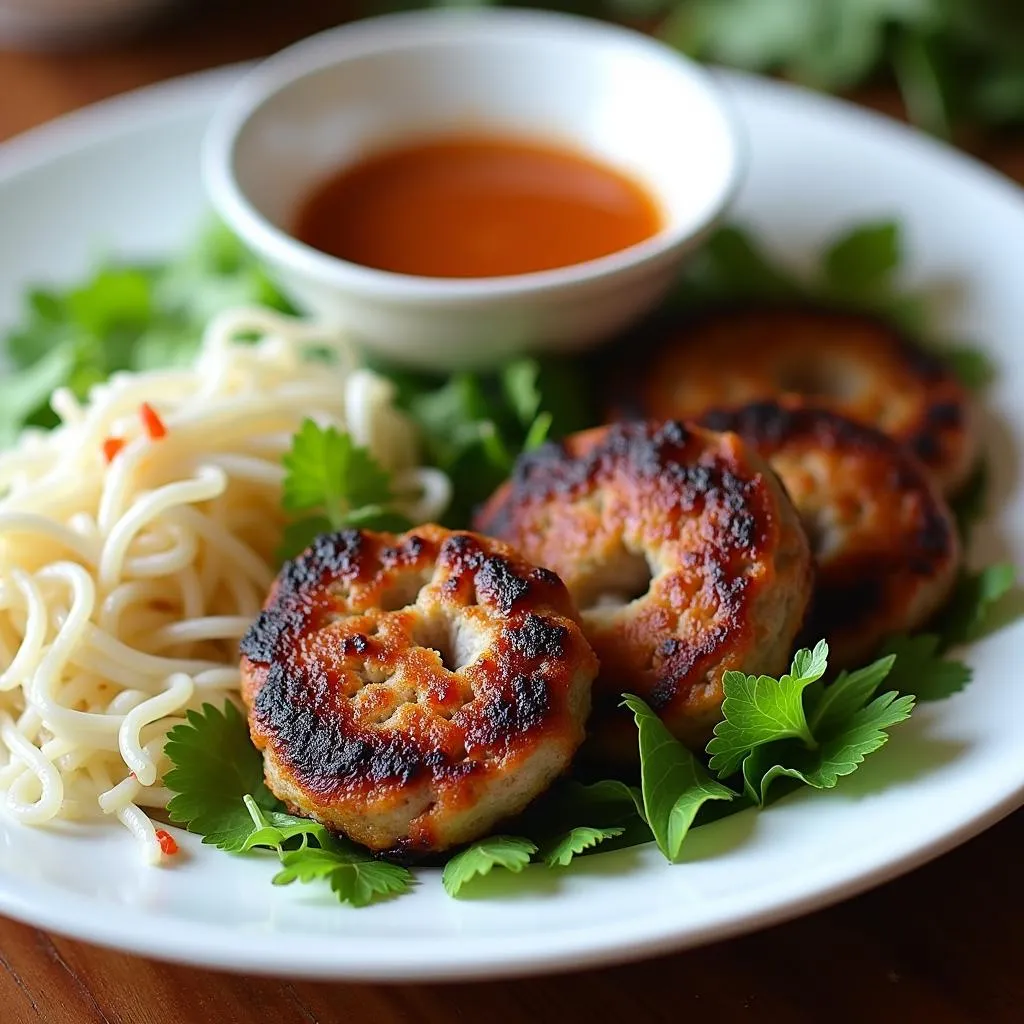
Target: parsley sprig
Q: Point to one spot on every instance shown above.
(338, 484)
(512, 853)
(219, 791)
(793, 726)
(796, 728)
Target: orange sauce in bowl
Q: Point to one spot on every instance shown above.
(475, 207)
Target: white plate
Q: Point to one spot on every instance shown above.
(124, 176)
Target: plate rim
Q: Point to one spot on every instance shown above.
(202, 943)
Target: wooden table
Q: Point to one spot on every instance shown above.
(943, 945)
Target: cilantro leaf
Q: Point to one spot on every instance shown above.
(219, 791)
(565, 396)
(810, 664)
(760, 709)
(674, 783)
(117, 297)
(922, 669)
(562, 850)
(972, 610)
(461, 436)
(354, 878)
(840, 752)
(215, 766)
(861, 263)
(916, 64)
(326, 470)
(512, 853)
(797, 728)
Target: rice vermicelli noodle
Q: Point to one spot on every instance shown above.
(137, 543)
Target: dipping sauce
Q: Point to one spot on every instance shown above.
(470, 206)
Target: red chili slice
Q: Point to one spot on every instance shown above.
(167, 844)
(151, 421)
(112, 448)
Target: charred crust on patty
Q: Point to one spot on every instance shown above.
(856, 363)
(893, 548)
(657, 455)
(698, 534)
(350, 700)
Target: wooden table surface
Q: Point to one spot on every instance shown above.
(942, 945)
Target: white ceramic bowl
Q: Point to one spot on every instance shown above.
(333, 98)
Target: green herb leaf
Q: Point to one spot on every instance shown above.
(861, 263)
(674, 783)
(917, 66)
(326, 470)
(124, 317)
(565, 396)
(562, 850)
(219, 791)
(970, 505)
(847, 694)
(538, 432)
(606, 805)
(972, 367)
(512, 853)
(353, 877)
(275, 828)
(840, 752)
(300, 534)
(760, 709)
(735, 263)
(972, 611)
(473, 426)
(115, 298)
(215, 766)
(462, 438)
(377, 517)
(519, 383)
(22, 394)
(922, 669)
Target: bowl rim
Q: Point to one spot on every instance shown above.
(407, 30)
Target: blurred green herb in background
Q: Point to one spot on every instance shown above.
(954, 61)
(126, 316)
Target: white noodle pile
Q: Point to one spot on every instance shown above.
(126, 587)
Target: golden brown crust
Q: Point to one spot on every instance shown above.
(885, 541)
(853, 364)
(691, 536)
(412, 690)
